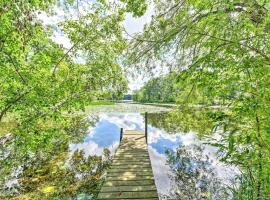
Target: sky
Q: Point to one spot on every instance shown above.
(131, 24)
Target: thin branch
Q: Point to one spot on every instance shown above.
(13, 102)
(240, 44)
(63, 57)
(171, 8)
(16, 68)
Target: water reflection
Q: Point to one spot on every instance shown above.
(50, 172)
(178, 160)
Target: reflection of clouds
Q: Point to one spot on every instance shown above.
(161, 171)
(224, 172)
(91, 148)
(188, 139)
(156, 134)
(128, 121)
(107, 132)
(106, 135)
(161, 141)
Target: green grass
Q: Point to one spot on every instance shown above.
(100, 103)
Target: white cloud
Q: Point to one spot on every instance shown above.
(62, 39)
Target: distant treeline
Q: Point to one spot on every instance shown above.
(169, 89)
(161, 89)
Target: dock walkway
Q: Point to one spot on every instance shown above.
(130, 176)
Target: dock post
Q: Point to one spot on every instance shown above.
(146, 131)
(121, 134)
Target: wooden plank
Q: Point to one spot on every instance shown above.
(120, 172)
(136, 199)
(134, 161)
(113, 170)
(126, 178)
(138, 146)
(129, 156)
(133, 134)
(131, 166)
(131, 151)
(145, 160)
(129, 183)
(130, 175)
(129, 144)
(122, 195)
(129, 188)
(134, 158)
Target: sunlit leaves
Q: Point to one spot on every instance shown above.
(42, 83)
(137, 7)
(220, 50)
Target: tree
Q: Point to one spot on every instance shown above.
(39, 78)
(160, 89)
(219, 48)
(42, 85)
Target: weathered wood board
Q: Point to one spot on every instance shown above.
(130, 176)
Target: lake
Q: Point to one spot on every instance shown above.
(182, 148)
(162, 146)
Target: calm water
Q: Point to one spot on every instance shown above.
(185, 160)
(163, 148)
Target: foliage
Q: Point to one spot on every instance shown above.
(160, 89)
(42, 85)
(39, 78)
(220, 50)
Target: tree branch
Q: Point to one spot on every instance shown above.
(63, 57)
(11, 103)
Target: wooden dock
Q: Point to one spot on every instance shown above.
(130, 176)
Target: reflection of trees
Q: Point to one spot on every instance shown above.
(49, 172)
(78, 127)
(57, 178)
(194, 175)
(243, 141)
(201, 121)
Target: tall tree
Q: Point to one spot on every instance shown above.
(222, 48)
